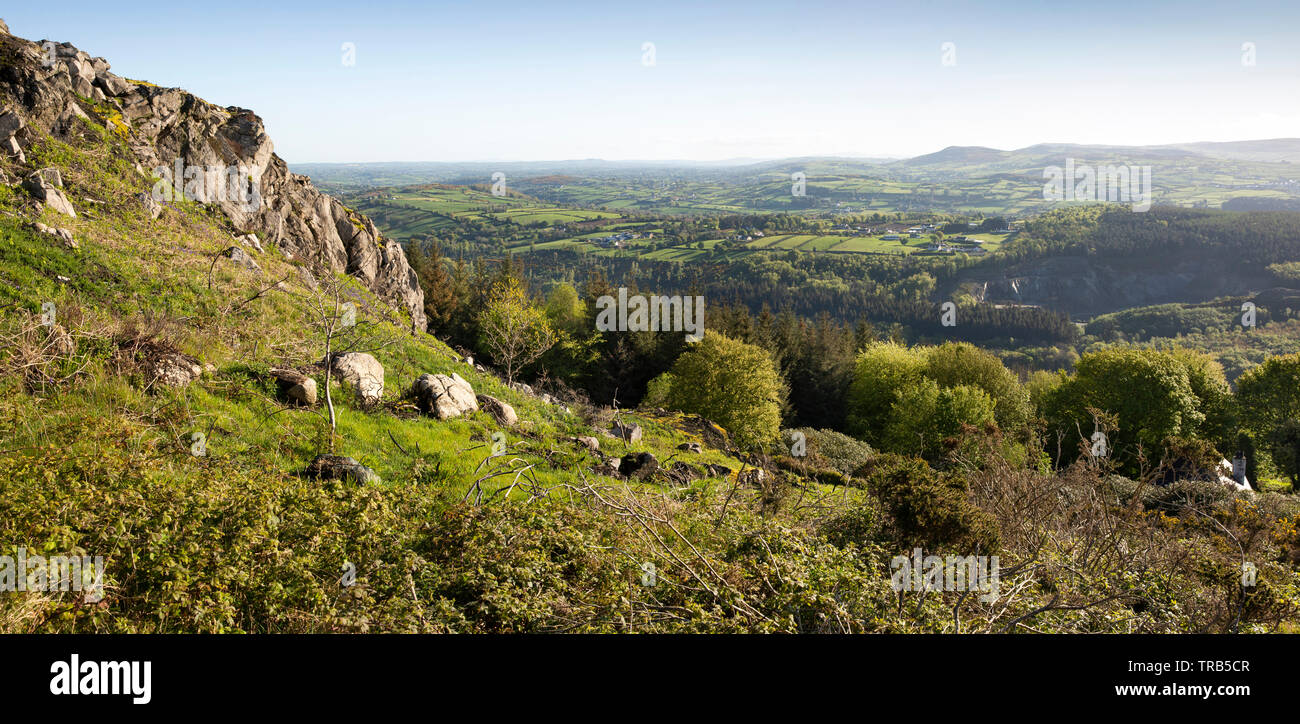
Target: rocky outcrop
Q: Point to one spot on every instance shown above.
(444, 397)
(168, 129)
(363, 373)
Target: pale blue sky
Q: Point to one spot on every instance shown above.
(464, 81)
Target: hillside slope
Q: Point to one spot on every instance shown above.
(165, 405)
(49, 86)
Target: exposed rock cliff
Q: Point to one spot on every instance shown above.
(44, 86)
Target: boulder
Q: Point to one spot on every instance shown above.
(628, 432)
(638, 465)
(683, 473)
(12, 148)
(113, 85)
(251, 241)
(10, 123)
(591, 443)
(363, 373)
(337, 467)
(444, 397)
(62, 235)
(501, 412)
(44, 185)
(608, 467)
(718, 471)
(753, 476)
(521, 387)
(693, 447)
(295, 387)
(242, 258)
(173, 369)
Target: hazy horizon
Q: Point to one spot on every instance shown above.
(754, 160)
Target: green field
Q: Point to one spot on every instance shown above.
(424, 210)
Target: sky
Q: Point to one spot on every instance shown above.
(539, 80)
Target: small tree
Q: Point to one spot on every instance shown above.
(731, 383)
(514, 332)
(440, 299)
(1284, 446)
(335, 319)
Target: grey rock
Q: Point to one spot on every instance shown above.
(168, 125)
(14, 150)
(608, 467)
(625, 431)
(10, 123)
(503, 413)
(62, 234)
(444, 397)
(47, 177)
(251, 241)
(337, 467)
(113, 85)
(307, 279)
(173, 369)
(44, 186)
(363, 373)
(241, 258)
(587, 441)
(295, 387)
(693, 447)
(753, 476)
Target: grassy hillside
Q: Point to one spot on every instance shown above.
(197, 499)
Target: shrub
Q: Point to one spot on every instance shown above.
(732, 383)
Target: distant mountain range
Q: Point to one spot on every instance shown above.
(1275, 150)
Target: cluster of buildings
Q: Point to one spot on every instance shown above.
(615, 241)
